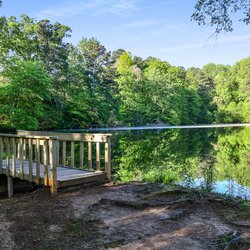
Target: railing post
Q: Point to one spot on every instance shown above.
(1, 155)
(21, 158)
(38, 162)
(72, 156)
(10, 186)
(53, 143)
(108, 158)
(90, 165)
(46, 162)
(14, 157)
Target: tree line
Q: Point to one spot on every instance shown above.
(48, 83)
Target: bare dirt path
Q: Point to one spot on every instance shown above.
(128, 216)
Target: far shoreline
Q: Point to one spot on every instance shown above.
(152, 127)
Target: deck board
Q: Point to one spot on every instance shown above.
(66, 176)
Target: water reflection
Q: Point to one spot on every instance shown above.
(228, 187)
(216, 160)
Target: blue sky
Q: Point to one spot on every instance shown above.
(159, 28)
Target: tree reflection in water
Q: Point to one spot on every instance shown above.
(215, 160)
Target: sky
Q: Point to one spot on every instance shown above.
(158, 28)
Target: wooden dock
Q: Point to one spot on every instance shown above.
(55, 160)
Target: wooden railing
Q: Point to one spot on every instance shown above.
(85, 151)
(35, 156)
(21, 156)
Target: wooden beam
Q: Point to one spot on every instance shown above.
(53, 165)
(68, 137)
(57, 153)
(72, 155)
(1, 155)
(37, 161)
(98, 162)
(81, 154)
(45, 162)
(79, 181)
(8, 156)
(26, 136)
(30, 160)
(90, 166)
(108, 159)
(10, 186)
(13, 172)
(64, 153)
(21, 158)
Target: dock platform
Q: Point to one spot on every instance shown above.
(55, 160)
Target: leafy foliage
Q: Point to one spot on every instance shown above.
(86, 85)
(218, 13)
(23, 93)
(232, 89)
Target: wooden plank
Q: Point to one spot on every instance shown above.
(24, 149)
(13, 157)
(68, 136)
(98, 163)
(28, 136)
(72, 155)
(108, 159)
(69, 173)
(79, 181)
(90, 156)
(10, 186)
(57, 153)
(45, 157)
(79, 175)
(21, 158)
(64, 152)
(8, 156)
(18, 148)
(30, 160)
(53, 166)
(37, 152)
(81, 154)
(1, 155)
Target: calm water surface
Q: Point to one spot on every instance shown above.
(215, 160)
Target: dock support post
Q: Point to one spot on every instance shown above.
(108, 158)
(53, 143)
(10, 186)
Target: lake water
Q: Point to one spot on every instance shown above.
(211, 159)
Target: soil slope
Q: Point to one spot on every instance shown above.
(123, 216)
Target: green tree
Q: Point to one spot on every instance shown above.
(153, 91)
(23, 94)
(134, 104)
(211, 70)
(232, 93)
(204, 87)
(29, 40)
(95, 59)
(91, 94)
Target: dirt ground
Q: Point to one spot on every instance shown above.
(123, 216)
